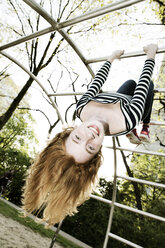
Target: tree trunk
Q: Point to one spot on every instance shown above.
(6, 116)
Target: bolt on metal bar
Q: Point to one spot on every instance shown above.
(159, 185)
(125, 241)
(113, 196)
(137, 151)
(35, 78)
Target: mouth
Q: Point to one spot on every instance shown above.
(94, 129)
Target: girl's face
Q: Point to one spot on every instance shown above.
(85, 141)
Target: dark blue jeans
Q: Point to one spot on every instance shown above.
(128, 88)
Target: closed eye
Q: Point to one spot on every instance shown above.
(90, 149)
(77, 137)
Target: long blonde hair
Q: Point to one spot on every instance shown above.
(57, 184)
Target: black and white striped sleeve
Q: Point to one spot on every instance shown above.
(99, 80)
(96, 84)
(139, 98)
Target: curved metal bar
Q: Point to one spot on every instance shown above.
(35, 6)
(67, 23)
(35, 78)
(113, 196)
(64, 34)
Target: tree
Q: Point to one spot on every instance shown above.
(17, 142)
(18, 133)
(41, 52)
(17, 161)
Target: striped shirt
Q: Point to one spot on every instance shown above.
(132, 107)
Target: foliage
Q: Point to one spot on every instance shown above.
(18, 132)
(18, 161)
(160, 10)
(90, 223)
(150, 168)
(17, 143)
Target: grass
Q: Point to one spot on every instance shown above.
(12, 213)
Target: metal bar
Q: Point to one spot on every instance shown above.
(156, 90)
(159, 123)
(113, 196)
(55, 235)
(137, 151)
(64, 34)
(35, 6)
(77, 50)
(153, 216)
(125, 55)
(125, 241)
(160, 185)
(159, 90)
(98, 198)
(27, 38)
(35, 78)
(98, 12)
(54, 26)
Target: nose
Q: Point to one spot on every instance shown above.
(90, 135)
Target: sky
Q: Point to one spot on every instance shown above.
(96, 44)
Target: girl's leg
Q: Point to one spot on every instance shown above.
(127, 88)
(144, 135)
(148, 106)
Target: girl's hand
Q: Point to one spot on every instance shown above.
(151, 50)
(115, 55)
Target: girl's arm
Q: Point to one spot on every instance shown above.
(101, 76)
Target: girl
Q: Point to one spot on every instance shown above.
(65, 172)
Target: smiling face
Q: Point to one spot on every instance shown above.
(85, 141)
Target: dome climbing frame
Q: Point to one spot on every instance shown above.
(87, 62)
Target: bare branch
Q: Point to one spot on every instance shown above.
(16, 12)
(6, 96)
(37, 110)
(53, 126)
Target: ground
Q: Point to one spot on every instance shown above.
(15, 235)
